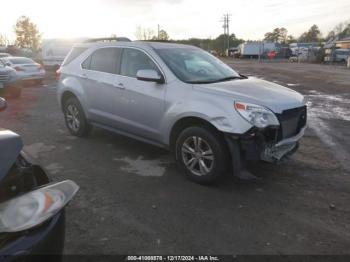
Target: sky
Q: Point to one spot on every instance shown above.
(250, 19)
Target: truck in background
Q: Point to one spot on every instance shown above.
(255, 48)
(54, 51)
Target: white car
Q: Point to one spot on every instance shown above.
(4, 55)
(26, 68)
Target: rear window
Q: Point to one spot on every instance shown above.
(21, 60)
(76, 51)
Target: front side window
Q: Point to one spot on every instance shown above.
(192, 65)
(104, 60)
(134, 60)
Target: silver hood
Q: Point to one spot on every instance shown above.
(10, 147)
(257, 91)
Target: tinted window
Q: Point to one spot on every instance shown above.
(105, 60)
(134, 60)
(77, 51)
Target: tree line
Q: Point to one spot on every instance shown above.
(28, 36)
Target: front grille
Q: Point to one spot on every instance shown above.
(4, 77)
(292, 121)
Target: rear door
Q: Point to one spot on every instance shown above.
(103, 95)
(143, 107)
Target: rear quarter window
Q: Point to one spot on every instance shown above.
(105, 60)
(76, 51)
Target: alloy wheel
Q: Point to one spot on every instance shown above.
(72, 117)
(197, 155)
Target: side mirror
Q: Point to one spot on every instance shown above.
(8, 64)
(3, 104)
(149, 75)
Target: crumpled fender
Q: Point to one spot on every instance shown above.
(220, 114)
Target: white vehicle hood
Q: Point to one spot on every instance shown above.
(256, 91)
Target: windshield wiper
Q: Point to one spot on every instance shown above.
(215, 81)
(227, 78)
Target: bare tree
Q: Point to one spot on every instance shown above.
(4, 40)
(144, 33)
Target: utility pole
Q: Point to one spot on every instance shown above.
(226, 26)
(228, 30)
(158, 31)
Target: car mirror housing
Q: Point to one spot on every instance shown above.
(150, 75)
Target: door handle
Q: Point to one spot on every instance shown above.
(83, 76)
(120, 86)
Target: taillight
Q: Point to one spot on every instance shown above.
(17, 68)
(58, 74)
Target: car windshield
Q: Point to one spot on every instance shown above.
(20, 60)
(192, 65)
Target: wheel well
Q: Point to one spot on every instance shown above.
(65, 96)
(187, 122)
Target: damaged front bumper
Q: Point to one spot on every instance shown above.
(257, 145)
(286, 147)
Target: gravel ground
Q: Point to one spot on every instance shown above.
(133, 199)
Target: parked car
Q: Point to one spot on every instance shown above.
(9, 82)
(341, 55)
(181, 98)
(26, 68)
(31, 206)
(4, 55)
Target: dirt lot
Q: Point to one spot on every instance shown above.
(133, 200)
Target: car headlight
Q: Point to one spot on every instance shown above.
(35, 207)
(258, 116)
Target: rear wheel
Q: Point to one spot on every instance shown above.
(75, 118)
(202, 154)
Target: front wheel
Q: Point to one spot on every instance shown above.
(202, 154)
(75, 118)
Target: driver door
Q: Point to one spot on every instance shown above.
(144, 102)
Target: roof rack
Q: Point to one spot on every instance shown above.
(108, 39)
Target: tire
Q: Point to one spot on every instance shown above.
(75, 119)
(202, 168)
(16, 92)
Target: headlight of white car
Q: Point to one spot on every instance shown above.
(35, 207)
(258, 116)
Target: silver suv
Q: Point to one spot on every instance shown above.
(181, 98)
